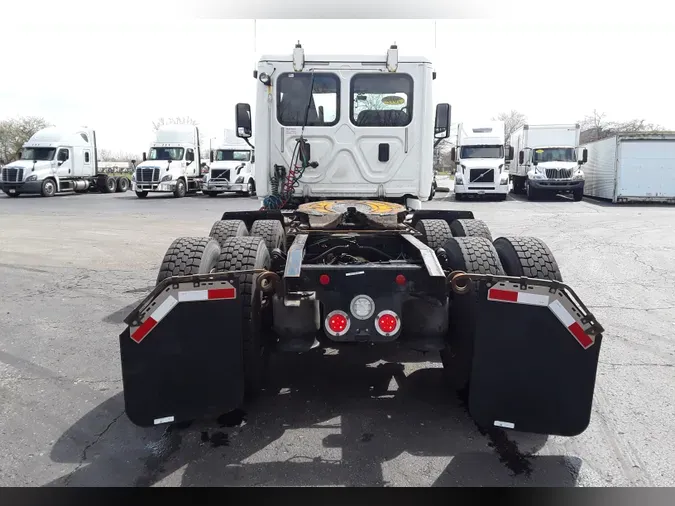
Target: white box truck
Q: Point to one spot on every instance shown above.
(635, 167)
(480, 155)
(231, 168)
(58, 160)
(173, 164)
(548, 161)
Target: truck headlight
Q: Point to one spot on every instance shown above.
(504, 178)
(239, 180)
(32, 177)
(166, 177)
(578, 175)
(535, 174)
(459, 179)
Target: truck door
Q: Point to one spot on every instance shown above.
(86, 168)
(65, 163)
(192, 166)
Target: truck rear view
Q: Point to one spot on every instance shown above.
(548, 161)
(310, 270)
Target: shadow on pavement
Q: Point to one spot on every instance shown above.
(326, 419)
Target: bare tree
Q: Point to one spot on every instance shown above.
(442, 160)
(107, 155)
(512, 121)
(15, 132)
(595, 127)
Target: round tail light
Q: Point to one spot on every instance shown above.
(387, 323)
(337, 323)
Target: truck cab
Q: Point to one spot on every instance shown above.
(481, 157)
(549, 161)
(172, 165)
(343, 127)
(231, 169)
(53, 160)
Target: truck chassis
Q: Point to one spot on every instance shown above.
(337, 273)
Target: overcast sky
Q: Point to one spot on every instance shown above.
(119, 76)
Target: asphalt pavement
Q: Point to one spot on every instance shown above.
(73, 266)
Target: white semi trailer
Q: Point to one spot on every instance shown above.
(548, 161)
(173, 164)
(635, 167)
(59, 160)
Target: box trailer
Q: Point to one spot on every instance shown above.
(636, 167)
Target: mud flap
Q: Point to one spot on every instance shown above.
(182, 353)
(534, 363)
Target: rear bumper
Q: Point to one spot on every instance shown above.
(568, 185)
(20, 187)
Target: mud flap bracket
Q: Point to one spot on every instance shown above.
(182, 352)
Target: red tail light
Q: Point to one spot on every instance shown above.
(337, 323)
(387, 323)
(400, 279)
(324, 279)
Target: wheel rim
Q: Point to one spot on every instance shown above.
(49, 187)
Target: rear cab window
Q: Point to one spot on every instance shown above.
(381, 100)
(294, 102)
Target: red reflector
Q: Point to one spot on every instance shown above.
(337, 323)
(400, 279)
(387, 323)
(324, 279)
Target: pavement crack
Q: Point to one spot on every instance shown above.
(83, 459)
(633, 308)
(636, 364)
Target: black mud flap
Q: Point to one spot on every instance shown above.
(182, 352)
(534, 363)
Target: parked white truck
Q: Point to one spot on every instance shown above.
(173, 163)
(632, 167)
(231, 168)
(58, 160)
(481, 155)
(548, 161)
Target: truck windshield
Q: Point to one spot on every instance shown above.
(38, 153)
(226, 155)
(481, 152)
(166, 154)
(554, 155)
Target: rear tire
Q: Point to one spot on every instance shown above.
(12, 195)
(48, 188)
(189, 255)
(532, 193)
(222, 230)
(527, 256)
(272, 232)
(470, 228)
(122, 184)
(141, 195)
(244, 253)
(472, 255)
(436, 232)
(109, 184)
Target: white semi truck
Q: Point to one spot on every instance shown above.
(173, 164)
(481, 155)
(548, 161)
(339, 256)
(59, 160)
(231, 168)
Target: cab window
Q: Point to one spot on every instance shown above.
(298, 96)
(381, 100)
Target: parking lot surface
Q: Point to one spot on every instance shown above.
(73, 266)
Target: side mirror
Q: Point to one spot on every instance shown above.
(584, 156)
(509, 153)
(243, 117)
(521, 157)
(133, 162)
(144, 156)
(453, 154)
(442, 123)
(211, 156)
(60, 163)
(252, 157)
